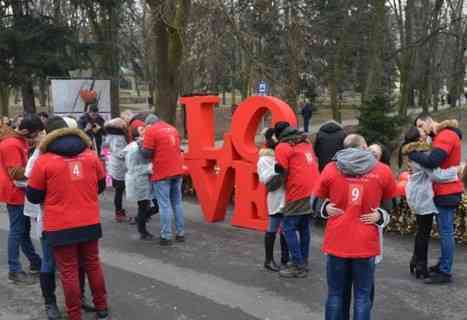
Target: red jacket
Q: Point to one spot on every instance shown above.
(13, 154)
(302, 169)
(69, 183)
(448, 141)
(164, 141)
(345, 235)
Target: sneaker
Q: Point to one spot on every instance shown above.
(165, 242)
(439, 278)
(87, 306)
(52, 312)
(179, 238)
(293, 272)
(34, 271)
(21, 277)
(271, 266)
(146, 237)
(120, 216)
(102, 315)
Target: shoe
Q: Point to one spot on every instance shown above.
(412, 265)
(421, 271)
(293, 272)
(179, 238)
(120, 216)
(271, 266)
(133, 221)
(102, 315)
(434, 269)
(146, 237)
(52, 312)
(87, 306)
(165, 242)
(21, 278)
(439, 278)
(34, 271)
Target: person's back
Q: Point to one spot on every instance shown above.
(329, 140)
(165, 141)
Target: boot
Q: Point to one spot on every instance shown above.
(284, 251)
(47, 281)
(413, 264)
(52, 312)
(421, 270)
(293, 271)
(269, 263)
(120, 216)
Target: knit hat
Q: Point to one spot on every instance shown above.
(280, 127)
(55, 123)
(151, 119)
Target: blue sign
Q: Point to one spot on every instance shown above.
(263, 88)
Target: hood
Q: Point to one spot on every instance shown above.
(449, 124)
(66, 142)
(116, 123)
(331, 127)
(415, 146)
(355, 162)
(266, 152)
(293, 136)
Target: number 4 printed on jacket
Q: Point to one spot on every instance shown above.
(76, 172)
(355, 194)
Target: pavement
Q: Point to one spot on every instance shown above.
(218, 274)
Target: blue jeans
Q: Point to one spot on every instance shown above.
(20, 237)
(297, 235)
(48, 262)
(275, 222)
(342, 273)
(169, 196)
(445, 221)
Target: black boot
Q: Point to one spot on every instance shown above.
(47, 281)
(421, 270)
(269, 264)
(413, 264)
(284, 251)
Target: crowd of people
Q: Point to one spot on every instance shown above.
(51, 170)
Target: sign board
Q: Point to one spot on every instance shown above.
(66, 98)
(262, 88)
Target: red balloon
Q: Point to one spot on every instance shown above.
(88, 96)
(404, 176)
(401, 188)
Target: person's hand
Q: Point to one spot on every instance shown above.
(460, 169)
(371, 218)
(332, 210)
(88, 127)
(96, 128)
(39, 138)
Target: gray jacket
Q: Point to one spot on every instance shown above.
(116, 164)
(419, 189)
(137, 178)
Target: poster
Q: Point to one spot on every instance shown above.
(67, 96)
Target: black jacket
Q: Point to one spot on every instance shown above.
(329, 140)
(97, 136)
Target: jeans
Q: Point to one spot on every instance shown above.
(342, 273)
(68, 259)
(48, 262)
(169, 197)
(19, 236)
(297, 235)
(275, 222)
(445, 221)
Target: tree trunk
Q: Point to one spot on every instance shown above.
(43, 92)
(4, 100)
(27, 92)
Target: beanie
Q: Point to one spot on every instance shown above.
(151, 119)
(55, 123)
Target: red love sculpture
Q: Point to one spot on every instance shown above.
(219, 171)
(88, 96)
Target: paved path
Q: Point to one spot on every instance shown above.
(217, 274)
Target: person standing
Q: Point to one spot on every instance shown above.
(162, 144)
(67, 178)
(307, 113)
(297, 164)
(446, 152)
(14, 147)
(275, 201)
(329, 140)
(93, 124)
(349, 194)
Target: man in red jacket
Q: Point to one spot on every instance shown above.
(295, 157)
(14, 147)
(349, 193)
(67, 178)
(446, 152)
(162, 145)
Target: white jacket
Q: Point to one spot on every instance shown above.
(265, 167)
(30, 209)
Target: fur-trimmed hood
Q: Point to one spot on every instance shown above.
(6, 132)
(415, 146)
(266, 152)
(66, 142)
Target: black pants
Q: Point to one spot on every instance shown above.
(119, 186)
(422, 238)
(143, 211)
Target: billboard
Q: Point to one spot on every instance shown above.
(71, 97)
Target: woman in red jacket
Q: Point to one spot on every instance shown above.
(67, 178)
